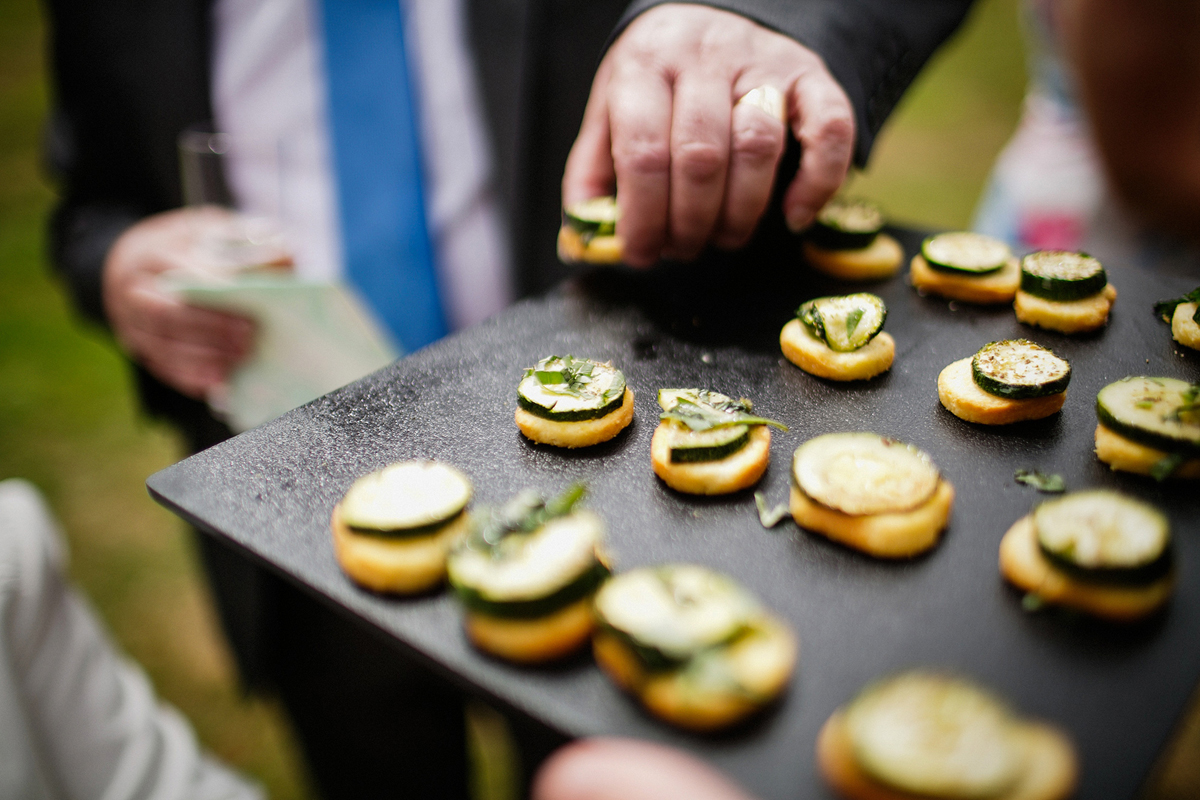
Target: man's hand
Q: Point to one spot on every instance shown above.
(190, 349)
(693, 165)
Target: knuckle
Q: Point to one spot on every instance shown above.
(642, 157)
(698, 161)
(834, 130)
(755, 144)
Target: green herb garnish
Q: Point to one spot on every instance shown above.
(1165, 309)
(1043, 482)
(1166, 466)
(524, 513)
(769, 517)
(575, 377)
(703, 410)
(852, 321)
(1031, 602)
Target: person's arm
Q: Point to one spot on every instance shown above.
(88, 718)
(628, 769)
(694, 166)
(1138, 66)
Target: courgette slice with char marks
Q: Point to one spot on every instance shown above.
(412, 498)
(1062, 275)
(846, 224)
(965, 252)
(844, 322)
(864, 473)
(672, 613)
(707, 425)
(936, 736)
(1104, 536)
(1018, 369)
(530, 558)
(570, 389)
(1162, 413)
(590, 218)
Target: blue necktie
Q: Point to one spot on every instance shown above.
(377, 161)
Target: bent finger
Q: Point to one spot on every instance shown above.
(640, 126)
(823, 122)
(699, 161)
(170, 318)
(755, 147)
(589, 171)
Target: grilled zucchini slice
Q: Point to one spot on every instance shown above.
(570, 389)
(1105, 536)
(1062, 275)
(1161, 413)
(846, 224)
(965, 252)
(595, 217)
(845, 323)
(864, 473)
(412, 498)
(936, 736)
(1018, 369)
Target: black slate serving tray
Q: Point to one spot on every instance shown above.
(1117, 690)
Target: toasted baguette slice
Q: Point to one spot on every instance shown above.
(396, 565)
(881, 259)
(1184, 329)
(736, 471)
(576, 434)
(994, 287)
(817, 358)
(532, 641)
(963, 398)
(894, 535)
(1051, 771)
(1066, 316)
(1024, 566)
(1127, 455)
(762, 664)
(599, 250)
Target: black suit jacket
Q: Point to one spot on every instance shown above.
(130, 74)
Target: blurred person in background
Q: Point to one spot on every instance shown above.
(77, 720)
(482, 104)
(1103, 158)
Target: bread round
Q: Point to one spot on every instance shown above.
(817, 358)
(1184, 329)
(532, 641)
(1051, 770)
(963, 398)
(988, 289)
(396, 565)
(763, 662)
(598, 250)
(1066, 316)
(583, 433)
(893, 535)
(1127, 455)
(736, 471)
(881, 259)
(1024, 566)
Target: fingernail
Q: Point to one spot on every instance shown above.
(798, 219)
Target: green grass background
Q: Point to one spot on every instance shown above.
(69, 423)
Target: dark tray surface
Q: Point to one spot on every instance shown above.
(1118, 691)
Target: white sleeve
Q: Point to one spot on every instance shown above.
(92, 726)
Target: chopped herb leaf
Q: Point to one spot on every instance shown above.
(853, 319)
(1165, 309)
(1031, 602)
(524, 513)
(1146, 404)
(1164, 467)
(704, 410)
(575, 377)
(769, 517)
(548, 376)
(1043, 482)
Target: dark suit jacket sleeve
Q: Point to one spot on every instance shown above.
(874, 48)
(127, 77)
